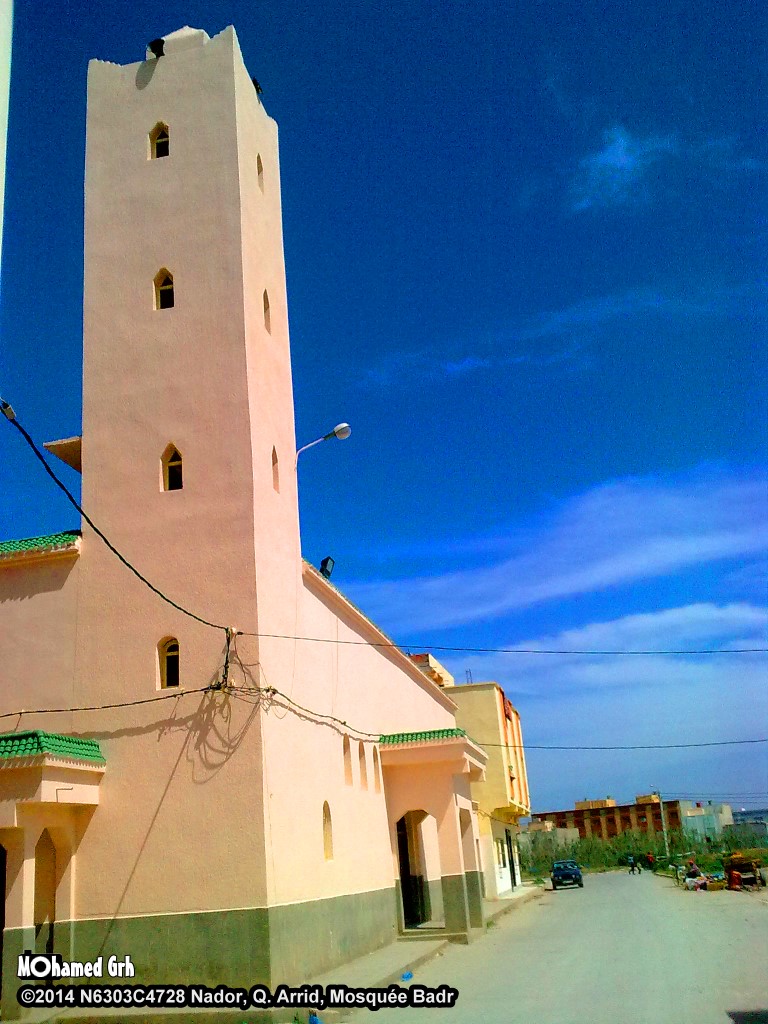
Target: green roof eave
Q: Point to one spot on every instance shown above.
(35, 743)
(49, 542)
(427, 736)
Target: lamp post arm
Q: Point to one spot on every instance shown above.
(311, 444)
(341, 430)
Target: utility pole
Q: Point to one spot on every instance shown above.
(664, 827)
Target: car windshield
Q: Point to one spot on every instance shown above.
(565, 864)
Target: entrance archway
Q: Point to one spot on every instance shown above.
(413, 881)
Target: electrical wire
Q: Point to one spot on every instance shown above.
(272, 691)
(105, 707)
(637, 746)
(390, 645)
(9, 414)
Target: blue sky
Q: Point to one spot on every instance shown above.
(526, 252)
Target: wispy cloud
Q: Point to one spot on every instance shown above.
(612, 536)
(602, 701)
(620, 172)
(694, 627)
(616, 174)
(726, 153)
(568, 330)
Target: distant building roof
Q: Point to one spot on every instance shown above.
(35, 743)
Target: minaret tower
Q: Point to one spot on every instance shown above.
(188, 462)
(188, 431)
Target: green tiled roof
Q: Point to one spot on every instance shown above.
(422, 737)
(34, 743)
(51, 540)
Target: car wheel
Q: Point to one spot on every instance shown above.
(581, 885)
(554, 886)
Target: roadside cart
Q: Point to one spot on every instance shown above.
(742, 868)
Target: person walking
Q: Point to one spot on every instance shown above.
(631, 864)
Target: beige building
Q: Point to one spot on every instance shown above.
(559, 836)
(502, 797)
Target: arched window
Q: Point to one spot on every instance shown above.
(164, 289)
(260, 171)
(168, 659)
(347, 762)
(172, 465)
(275, 471)
(159, 141)
(267, 317)
(363, 766)
(376, 770)
(327, 832)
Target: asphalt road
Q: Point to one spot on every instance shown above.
(625, 949)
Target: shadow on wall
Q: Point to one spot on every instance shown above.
(212, 732)
(211, 738)
(144, 73)
(19, 583)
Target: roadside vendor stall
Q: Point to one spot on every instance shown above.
(742, 868)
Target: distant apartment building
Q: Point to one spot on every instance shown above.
(606, 819)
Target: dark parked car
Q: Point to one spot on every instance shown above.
(566, 872)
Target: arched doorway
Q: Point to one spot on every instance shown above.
(413, 882)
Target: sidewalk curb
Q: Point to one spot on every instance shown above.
(412, 965)
(535, 894)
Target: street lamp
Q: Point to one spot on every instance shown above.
(663, 823)
(341, 430)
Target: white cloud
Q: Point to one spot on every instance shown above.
(696, 627)
(614, 175)
(627, 701)
(615, 535)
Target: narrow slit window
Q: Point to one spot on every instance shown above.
(376, 771)
(267, 317)
(260, 171)
(327, 832)
(363, 767)
(159, 142)
(275, 471)
(347, 762)
(169, 662)
(164, 294)
(173, 476)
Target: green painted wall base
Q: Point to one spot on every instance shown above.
(474, 881)
(455, 903)
(289, 944)
(436, 899)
